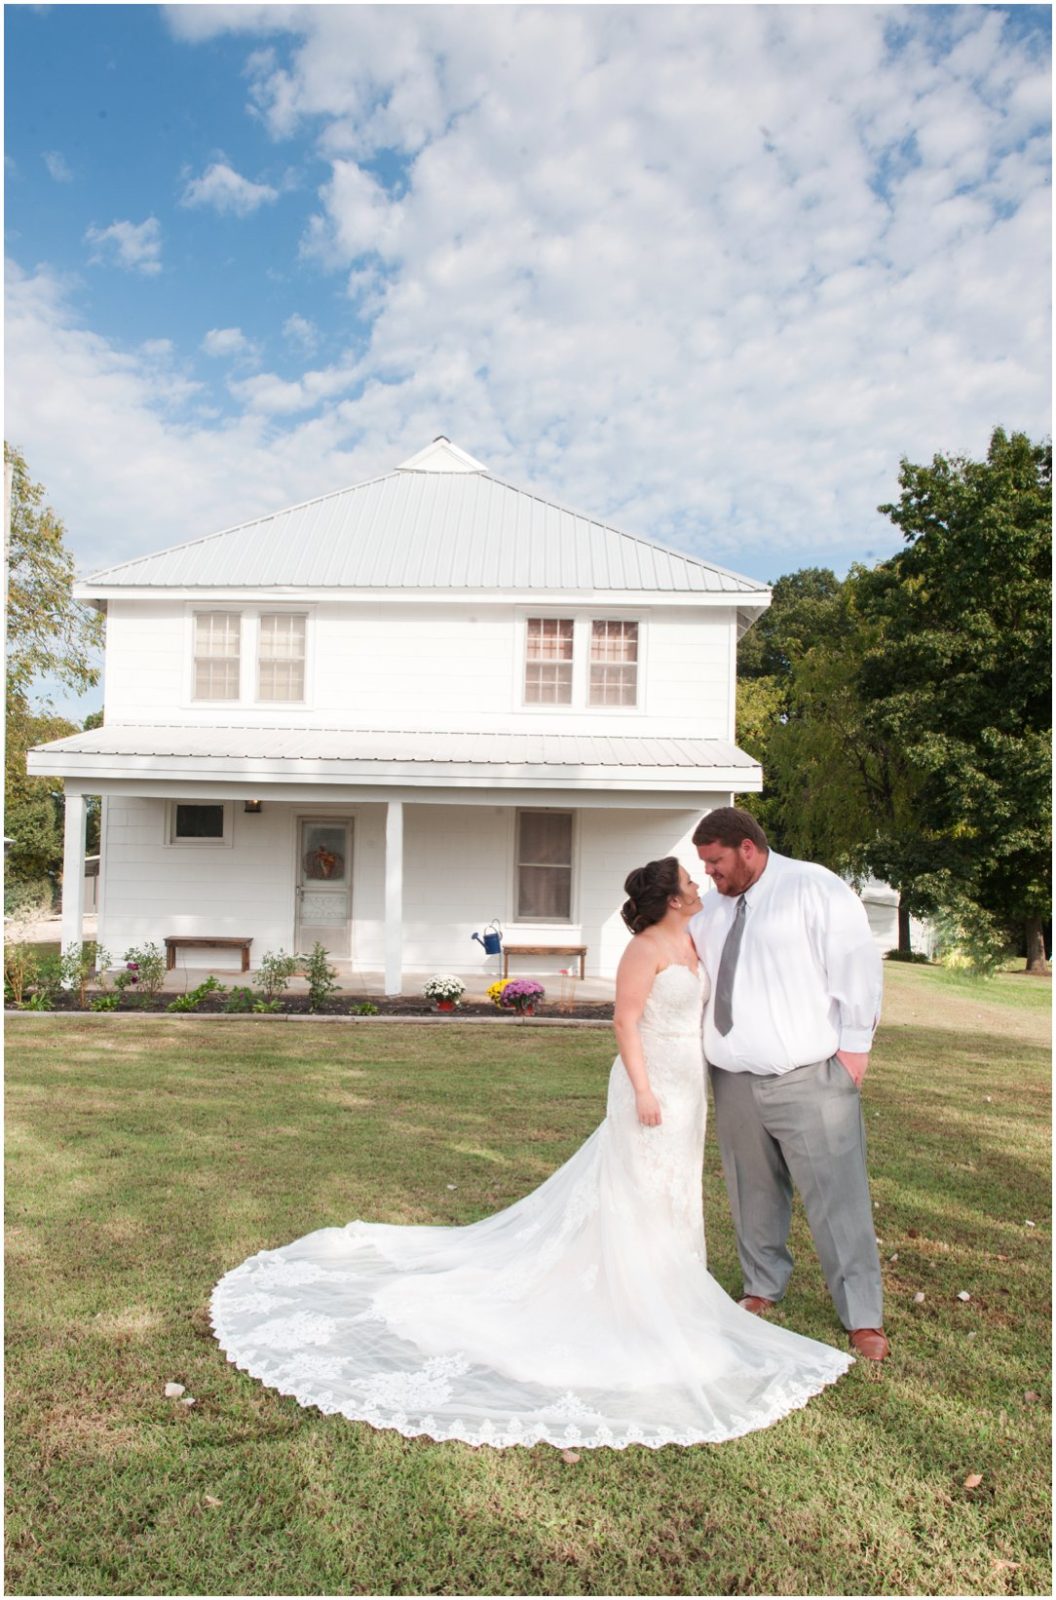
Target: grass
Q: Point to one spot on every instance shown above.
(148, 1155)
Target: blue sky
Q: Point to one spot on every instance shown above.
(705, 271)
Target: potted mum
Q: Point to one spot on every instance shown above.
(446, 990)
(522, 995)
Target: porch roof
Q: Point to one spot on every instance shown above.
(383, 757)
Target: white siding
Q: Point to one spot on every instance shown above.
(413, 667)
(458, 875)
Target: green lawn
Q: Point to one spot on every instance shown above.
(148, 1155)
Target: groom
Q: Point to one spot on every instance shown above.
(795, 997)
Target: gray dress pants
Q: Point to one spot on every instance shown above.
(806, 1128)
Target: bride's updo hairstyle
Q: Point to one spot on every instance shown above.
(649, 889)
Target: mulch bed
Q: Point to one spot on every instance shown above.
(349, 1005)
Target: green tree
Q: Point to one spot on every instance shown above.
(48, 634)
(957, 679)
(831, 781)
(805, 609)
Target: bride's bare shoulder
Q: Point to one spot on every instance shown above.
(643, 954)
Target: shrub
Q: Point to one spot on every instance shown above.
(914, 956)
(29, 899)
(105, 1002)
(47, 981)
(80, 964)
(146, 967)
(20, 970)
(366, 1008)
(322, 977)
(275, 972)
(969, 940)
(241, 998)
(194, 997)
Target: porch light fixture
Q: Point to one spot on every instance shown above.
(254, 807)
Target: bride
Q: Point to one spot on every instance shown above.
(583, 1314)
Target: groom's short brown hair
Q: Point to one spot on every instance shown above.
(730, 825)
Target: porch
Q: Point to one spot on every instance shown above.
(390, 850)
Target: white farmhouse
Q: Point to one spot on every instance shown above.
(385, 717)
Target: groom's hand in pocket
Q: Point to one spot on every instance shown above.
(854, 1064)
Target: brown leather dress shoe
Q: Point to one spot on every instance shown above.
(870, 1343)
(756, 1304)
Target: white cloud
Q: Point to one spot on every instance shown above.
(226, 342)
(132, 459)
(301, 332)
(57, 166)
(267, 393)
(707, 271)
(133, 245)
(226, 191)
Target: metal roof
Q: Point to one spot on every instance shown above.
(439, 521)
(376, 755)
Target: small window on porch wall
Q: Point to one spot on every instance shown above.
(194, 822)
(544, 866)
(217, 655)
(614, 663)
(548, 661)
(280, 658)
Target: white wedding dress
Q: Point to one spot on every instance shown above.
(582, 1315)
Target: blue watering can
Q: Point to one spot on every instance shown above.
(491, 939)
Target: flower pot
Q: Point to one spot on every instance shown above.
(445, 1005)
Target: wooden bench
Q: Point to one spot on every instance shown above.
(182, 940)
(578, 950)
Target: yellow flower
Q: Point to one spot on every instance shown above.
(495, 991)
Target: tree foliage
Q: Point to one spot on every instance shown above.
(48, 632)
(960, 676)
(831, 782)
(903, 716)
(48, 635)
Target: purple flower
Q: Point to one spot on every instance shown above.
(521, 993)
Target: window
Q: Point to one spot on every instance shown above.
(280, 656)
(193, 823)
(544, 866)
(614, 664)
(217, 653)
(548, 663)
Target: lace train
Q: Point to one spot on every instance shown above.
(582, 1315)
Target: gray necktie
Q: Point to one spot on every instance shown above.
(727, 971)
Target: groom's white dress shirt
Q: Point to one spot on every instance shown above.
(809, 976)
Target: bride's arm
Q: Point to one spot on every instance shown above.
(634, 979)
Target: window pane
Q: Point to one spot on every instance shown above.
(545, 892)
(544, 864)
(217, 643)
(550, 638)
(199, 822)
(280, 669)
(614, 664)
(548, 665)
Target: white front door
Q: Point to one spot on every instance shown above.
(324, 886)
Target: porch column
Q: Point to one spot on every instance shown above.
(394, 898)
(73, 871)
